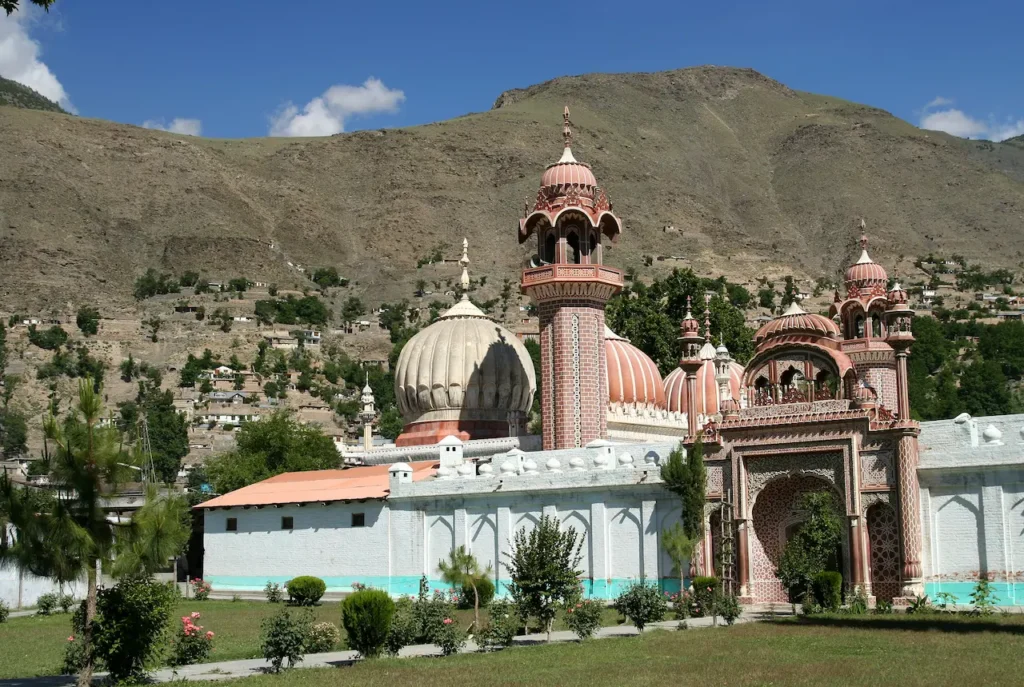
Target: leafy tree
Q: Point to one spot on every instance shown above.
(202, 286)
(766, 297)
(129, 369)
(50, 339)
(813, 548)
(688, 480)
(240, 284)
(461, 570)
(13, 433)
(352, 310)
(983, 389)
(10, 6)
(152, 284)
(222, 318)
(88, 320)
(390, 424)
(679, 548)
(544, 567)
(3, 350)
(275, 444)
(790, 292)
(1004, 343)
(67, 540)
(326, 277)
(189, 278)
(536, 417)
(168, 434)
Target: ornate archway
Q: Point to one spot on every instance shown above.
(774, 516)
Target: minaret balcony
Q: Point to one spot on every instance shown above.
(558, 279)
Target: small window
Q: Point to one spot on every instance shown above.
(232, 525)
(359, 520)
(287, 522)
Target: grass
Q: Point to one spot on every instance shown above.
(34, 645)
(867, 650)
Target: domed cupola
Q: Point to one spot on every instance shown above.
(464, 375)
(797, 323)
(865, 278)
(709, 397)
(633, 378)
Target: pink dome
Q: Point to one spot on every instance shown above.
(633, 377)
(797, 321)
(708, 400)
(865, 276)
(566, 173)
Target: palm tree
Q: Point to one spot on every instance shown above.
(71, 537)
(461, 569)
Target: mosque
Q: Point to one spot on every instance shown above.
(822, 404)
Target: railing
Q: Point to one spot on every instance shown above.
(572, 271)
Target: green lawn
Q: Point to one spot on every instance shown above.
(843, 651)
(34, 645)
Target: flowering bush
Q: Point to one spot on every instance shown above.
(200, 589)
(641, 603)
(431, 610)
(705, 592)
(192, 644)
(405, 629)
(504, 624)
(74, 655)
(322, 637)
(449, 636)
(584, 617)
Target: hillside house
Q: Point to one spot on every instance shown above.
(281, 340)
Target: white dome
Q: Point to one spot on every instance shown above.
(465, 366)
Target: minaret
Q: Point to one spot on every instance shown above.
(571, 286)
(368, 414)
(723, 362)
(464, 261)
(690, 362)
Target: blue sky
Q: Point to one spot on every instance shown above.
(232, 68)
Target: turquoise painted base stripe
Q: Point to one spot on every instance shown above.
(408, 585)
(1007, 593)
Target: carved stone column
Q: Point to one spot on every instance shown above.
(909, 513)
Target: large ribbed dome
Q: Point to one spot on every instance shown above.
(465, 367)
(633, 378)
(708, 395)
(796, 320)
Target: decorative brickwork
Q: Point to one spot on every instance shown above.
(884, 544)
(910, 508)
(876, 469)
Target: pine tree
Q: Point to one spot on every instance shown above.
(461, 569)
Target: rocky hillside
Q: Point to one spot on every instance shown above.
(14, 94)
(753, 177)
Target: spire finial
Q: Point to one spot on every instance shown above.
(464, 261)
(707, 317)
(566, 127)
(689, 308)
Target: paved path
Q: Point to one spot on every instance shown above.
(225, 670)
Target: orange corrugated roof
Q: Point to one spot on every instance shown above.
(370, 482)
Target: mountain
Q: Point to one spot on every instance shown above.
(754, 178)
(15, 94)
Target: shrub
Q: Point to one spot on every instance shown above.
(728, 606)
(859, 602)
(46, 604)
(484, 589)
(828, 590)
(584, 617)
(983, 597)
(429, 610)
(4, 612)
(305, 590)
(200, 589)
(705, 591)
(322, 637)
(65, 601)
(883, 607)
(284, 637)
(947, 602)
(641, 603)
(405, 629)
(920, 605)
(74, 654)
(366, 616)
(502, 627)
(449, 637)
(273, 593)
(192, 643)
(131, 619)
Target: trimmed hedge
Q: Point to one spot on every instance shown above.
(484, 589)
(366, 616)
(828, 590)
(305, 590)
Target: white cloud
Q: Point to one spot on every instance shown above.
(327, 113)
(178, 125)
(19, 56)
(958, 123)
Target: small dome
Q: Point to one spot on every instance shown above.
(464, 369)
(708, 401)
(797, 321)
(896, 295)
(865, 276)
(633, 378)
(566, 172)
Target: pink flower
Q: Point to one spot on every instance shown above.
(209, 635)
(71, 638)
(447, 621)
(709, 589)
(195, 615)
(569, 611)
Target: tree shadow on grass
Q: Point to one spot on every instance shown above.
(917, 623)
